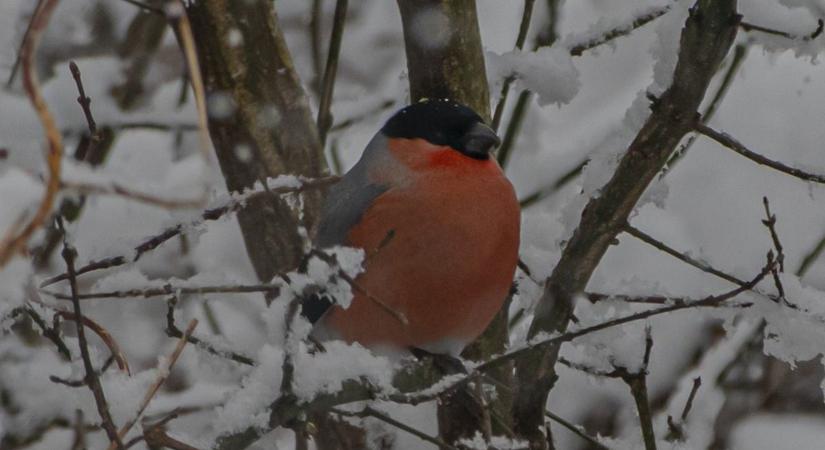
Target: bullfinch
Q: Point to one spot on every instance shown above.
(439, 224)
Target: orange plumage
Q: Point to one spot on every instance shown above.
(441, 245)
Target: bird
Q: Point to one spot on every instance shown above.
(438, 222)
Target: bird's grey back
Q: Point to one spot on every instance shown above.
(348, 199)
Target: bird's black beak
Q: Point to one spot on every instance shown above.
(479, 141)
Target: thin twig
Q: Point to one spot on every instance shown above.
(169, 289)
(809, 37)
(676, 430)
(104, 335)
(92, 380)
(283, 413)
(730, 143)
(26, 35)
(84, 101)
(811, 257)
(704, 267)
(235, 204)
(514, 127)
(324, 121)
(82, 382)
(116, 189)
(187, 41)
(524, 27)
(575, 430)
(371, 412)
(165, 367)
(54, 156)
(51, 334)
(577, 49)
(332, 261)
(173, 331)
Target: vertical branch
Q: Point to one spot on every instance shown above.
(91, 379)
(444, 54)
(328, 85)
(526, 15)
(445, 60)
(637, 382)
(260, 122)
(706, 39)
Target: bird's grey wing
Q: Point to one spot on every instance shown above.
(345, 204)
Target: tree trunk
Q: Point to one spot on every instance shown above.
(706, 39)
(260, 122)
(445, 59)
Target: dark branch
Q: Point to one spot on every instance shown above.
(92, 380)
(730, 143)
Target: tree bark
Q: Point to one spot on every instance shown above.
(260, 122)
(445, 59)
(706, 38)
(444, 54)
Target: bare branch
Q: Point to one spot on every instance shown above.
(730, 143)
(684, 257)
(173, 331)
(164, 368)
(92, 380)
(103, 334)
(236, 203)
(804, 38)
(324, 121)
(576, 430)
(273, 288)
(116, 189)
(578, 49)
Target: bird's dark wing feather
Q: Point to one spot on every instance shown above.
(345, 204)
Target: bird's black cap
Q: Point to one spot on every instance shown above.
(444, 122)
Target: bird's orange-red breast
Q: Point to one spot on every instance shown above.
(439, 224)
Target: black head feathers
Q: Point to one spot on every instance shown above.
(444, 122)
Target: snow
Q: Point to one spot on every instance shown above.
(585, 108)
(549, 72)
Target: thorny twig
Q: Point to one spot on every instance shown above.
(235, 204)
(54, 156)
(92, 380)
(165, 367)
